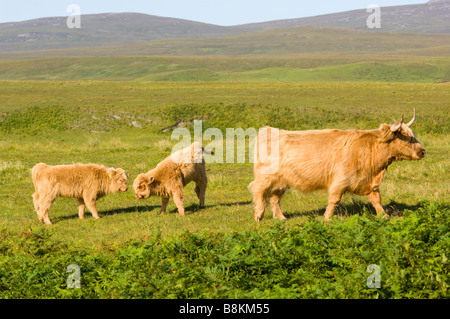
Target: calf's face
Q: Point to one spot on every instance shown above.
(142, 186)
(118, 180)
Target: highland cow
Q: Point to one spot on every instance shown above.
(339, 161)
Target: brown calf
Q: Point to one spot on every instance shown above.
(86, 182)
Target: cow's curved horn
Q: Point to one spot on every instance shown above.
(413, 119)
(396, 126)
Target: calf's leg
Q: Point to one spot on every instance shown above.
(81, 206)
(178, 199)
(275, 199)
(43, 202)
(90, 203)
(259, 200)
(164, 200)
(200, 189)
(36, 202)
(44, 205)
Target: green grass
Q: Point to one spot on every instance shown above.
(92, 121)
(300, 68)
(314, 260)
(298, 54)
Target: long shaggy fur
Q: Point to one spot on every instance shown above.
(170, 176)
(336, 160)
(86, 182)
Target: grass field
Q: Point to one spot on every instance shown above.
(296, 54)
(119, 124)
(303, 68)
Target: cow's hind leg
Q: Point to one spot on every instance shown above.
(275, 199)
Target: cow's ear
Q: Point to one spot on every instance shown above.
(396, 127)
(387, 134)
(150, 180)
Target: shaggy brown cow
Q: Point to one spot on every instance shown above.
(86, 182)
(170, 176)
(339, 161)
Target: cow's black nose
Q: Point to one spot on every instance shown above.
(422, 153)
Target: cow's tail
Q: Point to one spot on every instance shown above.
(250, 187)
(35, 172)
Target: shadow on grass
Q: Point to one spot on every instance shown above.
(131, 209)
(192, 208)
(148, 208)
(393, 208)
(87, 213)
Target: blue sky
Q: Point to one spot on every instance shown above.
(221, 12)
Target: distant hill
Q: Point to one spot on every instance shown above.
(118, 29)
(289, 54)
(430, 17)
(291, 41)
(108, 29)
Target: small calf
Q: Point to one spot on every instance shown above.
(170, 176)
(86, 182)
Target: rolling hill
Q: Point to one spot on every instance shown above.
(289, 54)
(430, 17)
(108, 29)
(139, 47)
(274, 42)
(118, 29)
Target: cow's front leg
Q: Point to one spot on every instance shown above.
(375, 199)
(333, 199)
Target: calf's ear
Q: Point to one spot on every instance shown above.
(122, 171)
(110, 172)
(151, 179)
